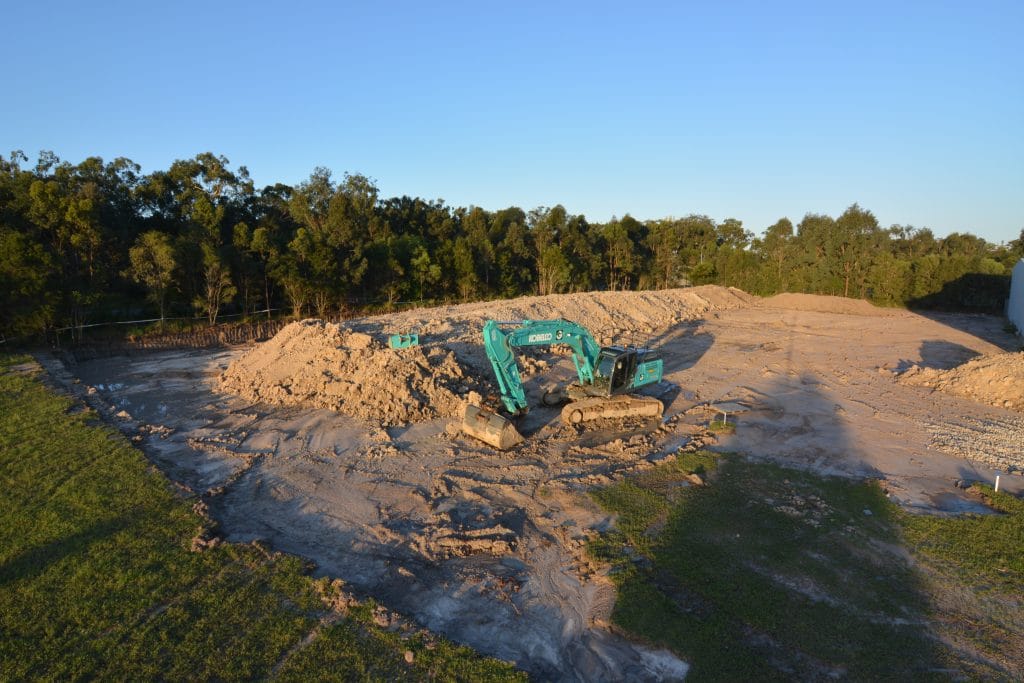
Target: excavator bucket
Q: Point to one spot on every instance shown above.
(489, 427)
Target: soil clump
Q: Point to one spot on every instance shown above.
(995, 380)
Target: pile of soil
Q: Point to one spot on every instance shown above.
(607, 315)
(826, 304)
(328, 365)
(996, 379)
(342, 368)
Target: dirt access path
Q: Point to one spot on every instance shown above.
(487, 547)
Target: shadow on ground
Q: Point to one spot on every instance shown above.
(938, 354)
(37, 560)
(770, 573)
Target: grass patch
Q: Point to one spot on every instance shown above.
(770, 573)
(721, 426)
(973, 566)
(97, 579)
(986, 547)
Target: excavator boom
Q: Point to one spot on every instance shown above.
(499, 346)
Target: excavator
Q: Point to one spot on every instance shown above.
(607, 377)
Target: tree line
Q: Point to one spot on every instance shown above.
(99, 241)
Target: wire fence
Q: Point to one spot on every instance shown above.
(158, 320)
(73, 336)
(196, 333)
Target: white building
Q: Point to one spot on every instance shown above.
(1015, 305)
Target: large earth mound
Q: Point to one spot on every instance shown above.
(826, 304)
(342, 368)
(327, 365)
(996, 379)
(608, 315)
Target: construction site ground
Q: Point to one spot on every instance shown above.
(488, 547)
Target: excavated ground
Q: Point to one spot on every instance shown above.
(486, 547)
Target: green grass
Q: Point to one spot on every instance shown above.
(771, 573)
(721, 426)
(97, 578)
(987, 548)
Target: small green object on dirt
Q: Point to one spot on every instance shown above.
(403, 341)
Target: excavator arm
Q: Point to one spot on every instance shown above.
(499, 345)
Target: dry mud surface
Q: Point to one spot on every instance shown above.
(487, 547)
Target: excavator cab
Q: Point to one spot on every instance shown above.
(617, 366)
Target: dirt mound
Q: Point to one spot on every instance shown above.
(825, 304)
(623, 311)
(606, 314)
(996, 379)
(343, 368)
(332, 366)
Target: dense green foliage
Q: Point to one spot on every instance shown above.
(96, 241)
(771, 573)
(97, 579)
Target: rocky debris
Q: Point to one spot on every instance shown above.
(993, 442)
(206, 536)
(334, 596)
(161, 431)
(203, 541)
(337, 598)
(996, 380)
(529, 366)
(809, 508)
(327, 365)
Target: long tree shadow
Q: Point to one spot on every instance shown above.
(772, 572)
(37, 560)
(973, 303)
(939, 354)
(689, 344)
(971, 293)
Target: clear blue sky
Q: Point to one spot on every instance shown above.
(747, 110)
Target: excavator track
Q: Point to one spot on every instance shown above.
(598, 408)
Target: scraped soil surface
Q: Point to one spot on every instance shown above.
(324, 443)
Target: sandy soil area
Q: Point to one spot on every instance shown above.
(487, 547)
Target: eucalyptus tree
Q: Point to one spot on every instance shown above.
(152, 265)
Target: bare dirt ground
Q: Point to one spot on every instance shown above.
(487, 547)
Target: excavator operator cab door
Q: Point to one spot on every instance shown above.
(623, 370)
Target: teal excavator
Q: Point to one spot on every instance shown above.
(607, 378)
